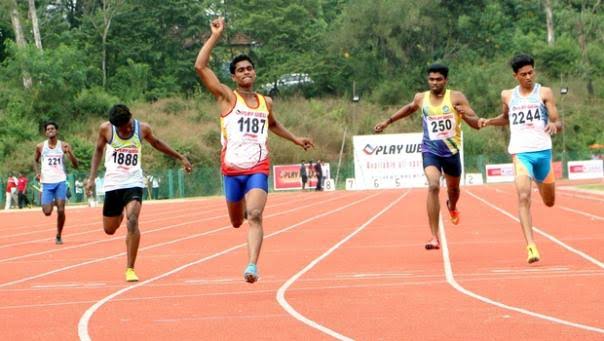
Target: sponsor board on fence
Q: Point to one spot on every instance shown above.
(388, 161)
(589, 169)
(287, 177)
(502, 172)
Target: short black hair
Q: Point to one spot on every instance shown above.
(237, 60)
(51, 123)
(119, 115)
(439, 68)
(521, 60)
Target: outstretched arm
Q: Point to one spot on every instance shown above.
(163, 147)
(554, 123)
(403, 112)
(99, 148)
(463, 107)
(278, 129)
(503, 119)
(37, 155)
(207, 76)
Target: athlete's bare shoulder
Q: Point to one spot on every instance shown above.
(506, 94)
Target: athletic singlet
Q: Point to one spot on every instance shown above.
(442, 127)
(528, 117)
(244, 137)
(53, 169)
(123, 160)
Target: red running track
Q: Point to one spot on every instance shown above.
(343, 265)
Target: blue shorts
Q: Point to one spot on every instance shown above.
(56, 191)
(450, 165)
(537, 165)
(237, 186)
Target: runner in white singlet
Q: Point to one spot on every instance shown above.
(245, 120)
(530, 111)
(51, 155)
(121, 141)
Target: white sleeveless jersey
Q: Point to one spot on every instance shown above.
(528, 117)
(53, 168)
(123, 161)
(244, 136)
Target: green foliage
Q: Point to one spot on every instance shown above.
(94, 101)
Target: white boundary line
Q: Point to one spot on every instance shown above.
(193, 236)
(543, 233)
(592, 216)
(281, 292)
(85, 319)
(451, 280)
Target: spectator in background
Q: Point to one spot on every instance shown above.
(303, 174)
(79, 190)
(325, 173)
(155, 180)
(11, 189)
(22, 191)
(319, 174)
(99, 191)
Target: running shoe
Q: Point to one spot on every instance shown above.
(433, 244)
(454, 214)
(131, 275)
(58, 240)
(533, 253)
(251, 273)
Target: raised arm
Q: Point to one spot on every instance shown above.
(163, 147)
(69, 152)
(278, 129)
(463, 107)
(207, 76)
(403, 112)
(554, 123)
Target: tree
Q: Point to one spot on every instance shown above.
(549, 21)
(19, 37)
(33, 15)
(108, 10)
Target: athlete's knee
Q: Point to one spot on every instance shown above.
(549, 202)
(524, 197)
(132, 222)
(110, 230)
(434, 188)
(47, 212)
(254, 215)
(453, 190)
(61, 210)
(236, 222)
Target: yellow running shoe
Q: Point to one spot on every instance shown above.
(533, 253)
(131, 275)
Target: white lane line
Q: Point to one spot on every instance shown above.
(145, 222)
(193, 236)
(85, 319)
(451, 280)
(592, 216)
(281, 292)
(543, 233)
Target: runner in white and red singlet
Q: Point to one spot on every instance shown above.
(246, 117)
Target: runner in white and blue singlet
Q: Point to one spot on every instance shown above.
(246, 118)
(530, 111)
(51, 155)
(441, 143)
